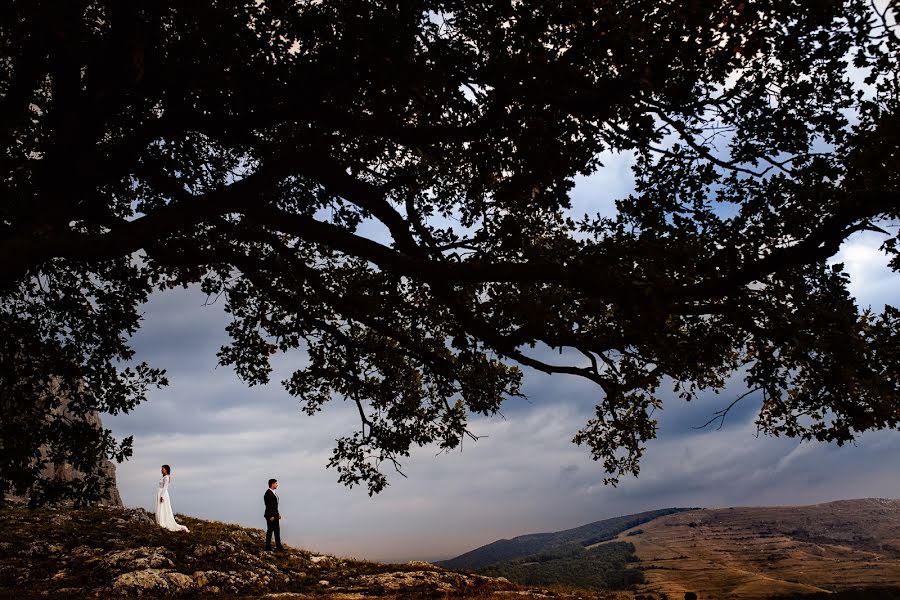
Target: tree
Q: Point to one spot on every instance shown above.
(252, 147)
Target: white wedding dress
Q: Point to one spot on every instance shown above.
(165, 518)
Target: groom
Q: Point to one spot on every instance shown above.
(273, 517)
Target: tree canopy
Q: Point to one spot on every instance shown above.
(385, 187)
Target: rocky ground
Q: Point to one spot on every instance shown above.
(110, 552)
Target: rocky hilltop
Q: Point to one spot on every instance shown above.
(113, 552)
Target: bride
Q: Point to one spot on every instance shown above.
(164, 516)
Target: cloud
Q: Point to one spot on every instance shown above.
(872, 283)
(596, 193)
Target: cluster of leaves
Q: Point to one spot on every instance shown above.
(603, 567)
(384, 190)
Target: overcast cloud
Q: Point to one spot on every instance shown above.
(225, 440)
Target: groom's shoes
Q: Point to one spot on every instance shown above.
(280, 549)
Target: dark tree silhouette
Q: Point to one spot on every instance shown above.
(252, 147)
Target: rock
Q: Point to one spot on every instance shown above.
(420, 563)
(35, 549)
(181, 582)
(219, 580)
(200, 579)
(140, 558)
(154, 581)
(318, 559)
(324, 582)
(84, 552)
(204, 550)
(240, 535)
(440, 581)
(139, 515)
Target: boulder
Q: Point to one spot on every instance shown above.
(135, 559)
(439, 581)
(154, 582)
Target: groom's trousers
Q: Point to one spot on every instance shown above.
(273, 526)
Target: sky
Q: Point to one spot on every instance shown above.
(225, 440)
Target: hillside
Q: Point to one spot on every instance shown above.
(765, 551)
(554, 543)
(851, 546)
(605, 566)
(112, 552)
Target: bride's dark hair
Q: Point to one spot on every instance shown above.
(168, 469)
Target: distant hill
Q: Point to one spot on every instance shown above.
(848, 549)
(556, 543)
(785, 551)
(600, 567)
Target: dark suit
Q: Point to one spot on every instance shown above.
(273, 524)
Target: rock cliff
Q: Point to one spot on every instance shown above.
(66, 472)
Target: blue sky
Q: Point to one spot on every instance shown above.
(224, 440)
